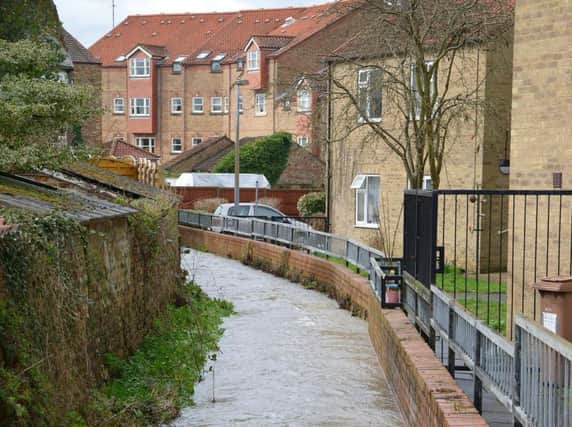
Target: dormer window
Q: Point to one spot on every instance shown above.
(219, 57)
(203, 54)
(177, 67)
(215, 67)
(253, 60)
(140, 67)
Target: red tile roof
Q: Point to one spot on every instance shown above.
(272, 42)
(227, 32)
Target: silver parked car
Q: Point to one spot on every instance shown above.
(259, 211)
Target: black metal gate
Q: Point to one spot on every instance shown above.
(420, 235)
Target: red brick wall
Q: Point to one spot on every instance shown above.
(288, 198)
(425, 391)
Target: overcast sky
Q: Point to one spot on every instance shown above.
(88, 20)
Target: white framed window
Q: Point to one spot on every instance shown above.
(260, 104)
(216, 105)
(415, 93)
(140, 107)
(253, 60)
(203, 54)
(367, 189)
(303, 140)
(304, 100)
(369, 94)
(196, 140)
(146, 143)
(176, 105)
(226, 104)
(198, 105)
(177, 67)
(427, 184)
(139, 67)
(118, 106)
(176, 145)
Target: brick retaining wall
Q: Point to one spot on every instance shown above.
(425, 391)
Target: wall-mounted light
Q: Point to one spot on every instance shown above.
(504, 164)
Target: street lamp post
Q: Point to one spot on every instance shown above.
(238, 84)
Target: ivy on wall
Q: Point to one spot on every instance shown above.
(267, 156)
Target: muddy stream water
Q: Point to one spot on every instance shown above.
(289, 356)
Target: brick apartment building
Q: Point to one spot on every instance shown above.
(169, 80)
(367, 178)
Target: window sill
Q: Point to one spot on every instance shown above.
(140, 77)
(252, 70)
(176, 152)
(260, 114)
(364, 121)
(176, 113)
(140, 117)
(197, 113)
(118, 114)
(303, 111)
(216, 113)
(368, 226)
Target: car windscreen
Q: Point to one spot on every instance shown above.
(240, 211)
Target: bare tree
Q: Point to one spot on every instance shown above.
(409, 74)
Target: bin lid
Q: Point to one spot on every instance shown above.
(554, 284)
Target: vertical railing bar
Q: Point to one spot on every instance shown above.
(466, 245)
(442, 239)
(535, 257)
(512, 270)
(524, 256)
(501, 268)
(477, 253)
(454, 253)
(547, 235)
(559, 233)
(490, 224)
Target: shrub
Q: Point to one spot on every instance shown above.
(312, 203)
(267, 156)
(208, 205)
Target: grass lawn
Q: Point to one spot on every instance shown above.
(489, 313)
(341, 261)
(446, 281)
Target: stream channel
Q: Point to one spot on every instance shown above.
(289, 356)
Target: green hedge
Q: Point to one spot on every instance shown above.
(267, 156)
(312, 203)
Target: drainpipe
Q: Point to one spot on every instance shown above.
(328, 148)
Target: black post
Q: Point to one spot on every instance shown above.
(517, 363)
(477, 384)
(451, 352)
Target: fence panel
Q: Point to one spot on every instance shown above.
(543, 376)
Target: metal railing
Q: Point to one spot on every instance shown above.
(530, 377)
(328, 244)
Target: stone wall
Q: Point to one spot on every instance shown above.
(426, 393)
(102, 295)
